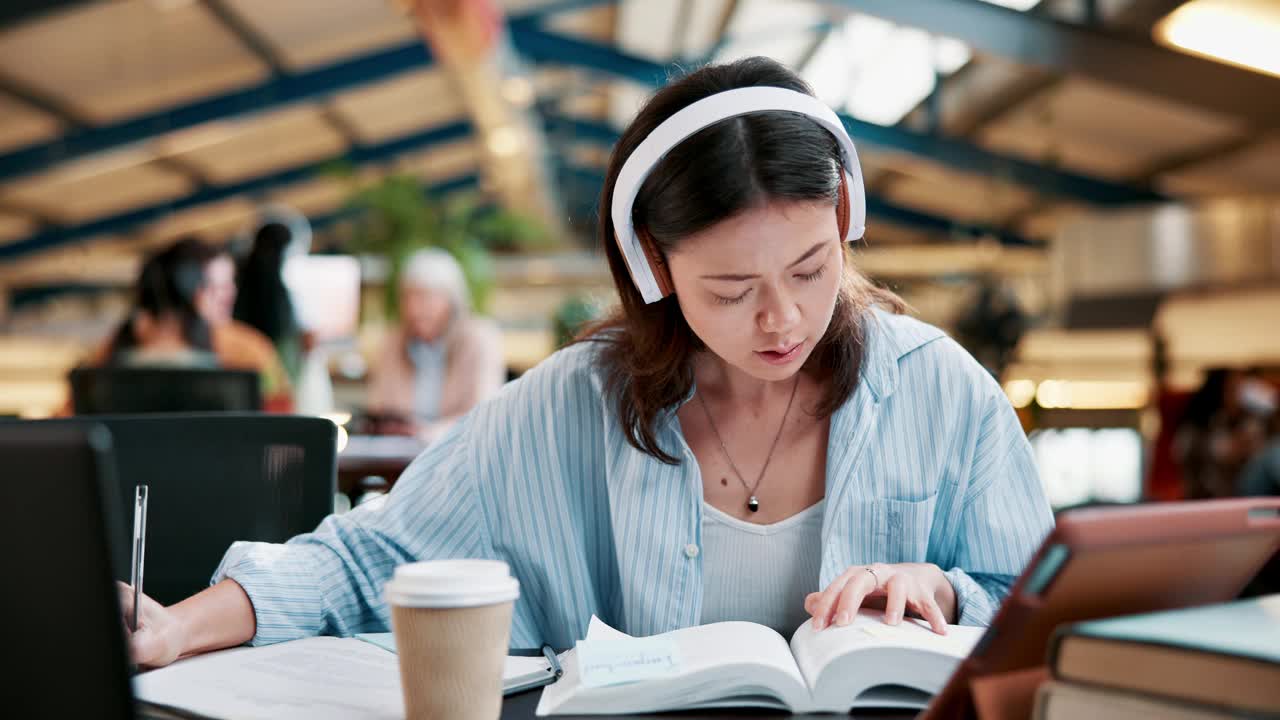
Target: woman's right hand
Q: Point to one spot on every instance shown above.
(159, 638)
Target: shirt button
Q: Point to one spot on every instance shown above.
(691, 550)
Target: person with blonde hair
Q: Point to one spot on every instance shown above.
(443, 359)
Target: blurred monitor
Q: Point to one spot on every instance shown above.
(111, 390)
(325, 290)
(1086, 465)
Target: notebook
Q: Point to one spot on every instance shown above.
(866, 664)
(1224, 654)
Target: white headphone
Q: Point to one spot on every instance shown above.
(644, 260)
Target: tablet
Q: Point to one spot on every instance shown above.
(1118, 560)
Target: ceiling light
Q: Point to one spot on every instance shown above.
(504, 141)
(1245, 33)
(879, 71)
(901, 76)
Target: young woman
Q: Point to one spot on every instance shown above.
(754, 434)
(183, 313)
(165, 327)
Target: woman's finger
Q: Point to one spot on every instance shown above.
(855, 592)
(823, 606)
(929, 610)
(125, 593)
(897, 588)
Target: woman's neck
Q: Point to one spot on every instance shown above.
(731, 386)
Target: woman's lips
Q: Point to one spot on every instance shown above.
(774, 357)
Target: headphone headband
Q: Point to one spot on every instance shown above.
(695, 117)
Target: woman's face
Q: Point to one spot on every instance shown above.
(215, 299)
(425, 311)
(759, 288)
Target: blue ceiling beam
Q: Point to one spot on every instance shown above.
(16, 12)
(877, 207)
(559, 7)
(280, 89)
(548, 47)
(1127, 61)
(274, 92)
(130, 219)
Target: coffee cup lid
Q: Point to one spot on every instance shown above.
(451, 584)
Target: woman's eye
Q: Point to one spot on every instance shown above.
(733, 300)
(810, 277)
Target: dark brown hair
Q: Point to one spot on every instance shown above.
(167, 286)
(728, 167)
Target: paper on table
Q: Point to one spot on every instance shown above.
(313, 679)
(517, 673)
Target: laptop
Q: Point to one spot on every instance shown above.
(64, 649)
(1108, 561)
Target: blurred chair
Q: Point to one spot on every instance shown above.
(213, 479)
(96, 391)
(63, 651)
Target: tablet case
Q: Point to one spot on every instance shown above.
(1118, 560)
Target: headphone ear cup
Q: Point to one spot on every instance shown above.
(842, 206)
(657, 263)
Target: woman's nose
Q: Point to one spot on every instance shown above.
(779, 314)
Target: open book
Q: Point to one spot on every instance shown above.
(865, 664)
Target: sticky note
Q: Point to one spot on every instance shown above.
(617, 661)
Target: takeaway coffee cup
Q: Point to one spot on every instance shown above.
(452, 622)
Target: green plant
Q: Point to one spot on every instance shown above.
(396, 217)
(571, 316)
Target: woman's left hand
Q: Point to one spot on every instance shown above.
(921, 588)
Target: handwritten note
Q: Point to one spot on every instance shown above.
(618, 661)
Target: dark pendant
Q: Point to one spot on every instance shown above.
(753, 504)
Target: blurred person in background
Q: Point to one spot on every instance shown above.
(263, 301)
(199, 279)
(238, 345)
(1221, 429)
(1261, 477)
(1261, 474)
(442, 360)
(164, 328)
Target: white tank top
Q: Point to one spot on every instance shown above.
(760, 573)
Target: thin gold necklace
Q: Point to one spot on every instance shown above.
(753, 503)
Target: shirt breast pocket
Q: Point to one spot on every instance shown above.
(901, 528)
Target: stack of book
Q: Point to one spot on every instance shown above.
(1213, 661)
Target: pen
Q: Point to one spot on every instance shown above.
(550, 654)
(139, 548)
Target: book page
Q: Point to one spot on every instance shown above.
(312, 679)
(717, 644)
(909, 654)
(731, 663)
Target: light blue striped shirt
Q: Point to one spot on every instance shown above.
(926, 462)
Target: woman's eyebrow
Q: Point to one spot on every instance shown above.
(808, 254)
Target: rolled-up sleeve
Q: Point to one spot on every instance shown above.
(1005, 515)
(330, 581)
